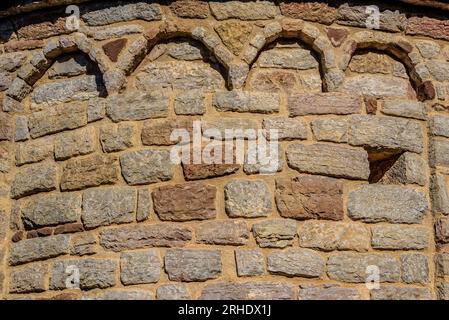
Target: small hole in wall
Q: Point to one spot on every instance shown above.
(380, 161)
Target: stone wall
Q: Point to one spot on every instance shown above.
(86, 180)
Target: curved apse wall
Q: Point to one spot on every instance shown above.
(358, 117)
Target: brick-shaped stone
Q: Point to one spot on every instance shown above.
(276, 233)
(336, 161)
(249, 262)
(91, 171)
(333, 130)
(173, 291)
(329, 236)
(117, 137)
(398, 237)
(323, 103)
(38, 249)
(307, 197)
(243, 101)
(222, 232)
(377, 203)
(140, 267)
(146, 166)
(106, 206)
(144, 236)
(159, 133)
(405, 108)
(247, 198)
(415, 268)
(183, 202)
(51, 209)
(327, 292)
(137, 106)
(34, 179)
(57, 118)
(34, 151)
(248, 291)
(75, 143)
(401, 293)
(93, 273)
(296, 262)
(31, 278)
(386, 132)
(192, 264)
(285, 129)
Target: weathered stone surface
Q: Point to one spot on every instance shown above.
(308, 197)
(439, 193)
(122, 295)
(39, 248)
(12, 61)
(377, 203)
(428, 49)
(276, 233)
(352, 267)
(230, 127)
(31, 278)
(190, 102)
(160, 132)
(56, 119)
(91, 171)
(21, 130)
(83, 244)
(438, 69)
(249, 262)
(386, 132)
(323, 103)
(186, 50)
(117, 137)
(175, 291)
(405, 108)
(442, 230)
(379, 86)
(18, 89)
(34, 179)
(429, 27)
(248, 291)
(222, 232)
(295, 262)
(397, 237)
(443, 291)
(51, 209)
(442, 264)
(329, 236)
(259, 10)
(415, 268)
(183, 202)
(439, 153)
(268, 80)
(66, 90)
(327, 292)
(140, 267)
(309, 11)
(336, 161)
(144, 236)
(136, 105)
(289, 58)
(96, 109)
(6, 129)
(34, 151)
(204, 171)
(285, 128)
(105, 206)
(439, 126)
(241, 101)
(94, 273)
(69, 66)
(103, 33)
(401, 293)
(408, 168)
(192, 264)
(337, 36)
(144, 205)
(234, 34)
(178, 75)
(123, 12)
(75, 143)
(358, 16)
(190, 9)
(247, 198)
(146, 166)
(333, 130)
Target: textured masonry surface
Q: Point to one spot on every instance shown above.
(86, 179)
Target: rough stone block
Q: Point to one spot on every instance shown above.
(192, 264)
